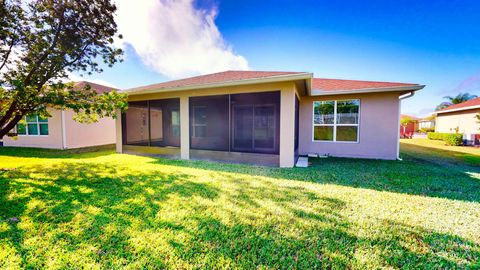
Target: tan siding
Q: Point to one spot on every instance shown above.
(378, 125)
(52, 140)
(465, 121)
(84, 135)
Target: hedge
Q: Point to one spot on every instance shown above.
(448, 138)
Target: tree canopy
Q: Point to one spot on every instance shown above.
(404, 121)
(41, 42)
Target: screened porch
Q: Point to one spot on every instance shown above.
(242, 128)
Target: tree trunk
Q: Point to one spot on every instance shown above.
(6, 129)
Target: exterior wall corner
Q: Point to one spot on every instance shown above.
(287, 128)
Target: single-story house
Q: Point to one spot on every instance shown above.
(460, 118)
(60, 131)
(408, 129)
(427, 123)
(262, 117)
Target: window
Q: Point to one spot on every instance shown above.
(336, 121)
(199, 121)
(176, 123)
(33, 125)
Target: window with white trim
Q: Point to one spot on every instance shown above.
(336, 120)
(33, 125)
(199, 124)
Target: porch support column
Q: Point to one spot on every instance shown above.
(287, 127)
(118, 132)
(184, 128)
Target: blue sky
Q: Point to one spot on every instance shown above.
(436, 43)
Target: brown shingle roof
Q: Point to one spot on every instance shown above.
(460, 106)
(97, 87)
(233, 76)
(220, 77)
(336, 84)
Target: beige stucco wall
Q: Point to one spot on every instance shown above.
(378, 128)
(52, 140)
(79, 135)
(287, 118)
(464, 120)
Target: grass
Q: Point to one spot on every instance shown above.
(463, 154)
(60, 209)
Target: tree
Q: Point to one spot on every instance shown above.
(461, 97)
(41, 42)
(404, 121)
(443, 105)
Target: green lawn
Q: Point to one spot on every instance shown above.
(105, 210)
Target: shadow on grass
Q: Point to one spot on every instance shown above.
(104, 212)
(415, 175)
(330, 247)
(86, 152)
(61, 193)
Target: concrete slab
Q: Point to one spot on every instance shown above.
(302, 162)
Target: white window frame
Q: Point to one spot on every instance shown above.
(335, 125)
(196, 124)
(38, 127)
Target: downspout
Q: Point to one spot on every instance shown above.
(400, 98)
(64, 136)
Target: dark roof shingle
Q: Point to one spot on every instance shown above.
(336, 84)
(220, 77)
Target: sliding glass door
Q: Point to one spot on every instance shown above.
(255, 122)
(254, 128)
(264, 127)
(242, 128)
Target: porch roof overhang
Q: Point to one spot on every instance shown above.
(307, 77)
(409, 88)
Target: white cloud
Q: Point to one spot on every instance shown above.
(174, 38)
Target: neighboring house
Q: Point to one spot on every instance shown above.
(410, 128)
(60, 131)
(460, 118)
(427, 123)
(261, 117)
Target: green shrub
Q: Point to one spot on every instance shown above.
(435, 136)
(453, 139)
(425, 130)
(449, 138)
